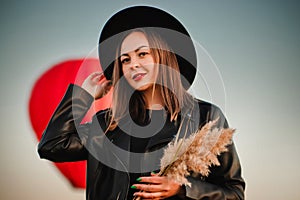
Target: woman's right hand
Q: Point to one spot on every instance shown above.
(97, 85)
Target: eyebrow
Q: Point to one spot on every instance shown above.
(126, 54)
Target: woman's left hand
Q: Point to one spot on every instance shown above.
(156, 187)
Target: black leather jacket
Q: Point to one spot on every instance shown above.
(65, 139)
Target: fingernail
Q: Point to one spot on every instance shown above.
(139, 179)
(133, 187)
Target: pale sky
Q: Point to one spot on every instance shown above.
(255, 46)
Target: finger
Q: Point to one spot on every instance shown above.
(152, 179)
(148, 195)
(152, 199)
(154, 174)
(107, 84)
(148, 187)
(93, 75)
(98, 77)
(103, 89)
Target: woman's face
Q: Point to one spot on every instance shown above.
(137, 61)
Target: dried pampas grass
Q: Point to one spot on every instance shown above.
(196, 153)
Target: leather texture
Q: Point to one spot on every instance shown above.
(61, 142)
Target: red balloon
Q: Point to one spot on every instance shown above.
(47, 93)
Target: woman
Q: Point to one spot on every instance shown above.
(150, 69)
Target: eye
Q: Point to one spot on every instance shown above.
(125, 60)
(142, 54)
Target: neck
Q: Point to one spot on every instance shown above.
(153, 98)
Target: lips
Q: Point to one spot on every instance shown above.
(138, 76)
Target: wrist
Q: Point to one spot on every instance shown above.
(89, 90)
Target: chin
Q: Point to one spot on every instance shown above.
(144, 87)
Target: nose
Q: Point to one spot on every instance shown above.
(135, 63)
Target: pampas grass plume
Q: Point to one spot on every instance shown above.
(196, 153)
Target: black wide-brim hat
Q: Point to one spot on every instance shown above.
(170, 29)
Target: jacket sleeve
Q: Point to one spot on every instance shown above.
(64, 137)
(225, 181)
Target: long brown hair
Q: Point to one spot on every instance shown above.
(127, 101)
